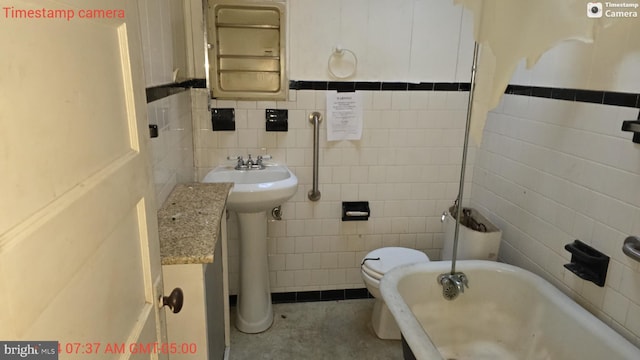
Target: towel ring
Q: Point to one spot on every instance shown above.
(337, 56)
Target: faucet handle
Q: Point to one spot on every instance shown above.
(238, 159)
(464, 280)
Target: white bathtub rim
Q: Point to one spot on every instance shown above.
(419, 341)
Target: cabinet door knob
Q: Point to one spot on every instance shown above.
(174, 301)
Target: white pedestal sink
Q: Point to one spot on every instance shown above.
(254, 193)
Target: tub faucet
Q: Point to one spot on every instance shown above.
(460, 280)
(453, 284)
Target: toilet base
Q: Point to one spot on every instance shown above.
(383, 323)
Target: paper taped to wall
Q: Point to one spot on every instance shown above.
(344, 116)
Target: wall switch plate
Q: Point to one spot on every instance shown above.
(223, 119)
(277, 119)
(153, 131)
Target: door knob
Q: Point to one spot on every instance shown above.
(174, 301)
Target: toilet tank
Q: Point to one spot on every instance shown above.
(472, 244)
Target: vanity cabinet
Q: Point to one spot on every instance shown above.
(204, 319)
(192, 229)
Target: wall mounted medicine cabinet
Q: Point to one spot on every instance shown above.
(247, 50)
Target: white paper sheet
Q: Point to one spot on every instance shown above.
(344, 116)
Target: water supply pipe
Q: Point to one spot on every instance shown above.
(464, 157)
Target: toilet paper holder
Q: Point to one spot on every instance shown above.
(355, 211)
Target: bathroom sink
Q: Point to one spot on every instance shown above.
(256, 190)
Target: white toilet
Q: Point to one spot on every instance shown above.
(374, 265)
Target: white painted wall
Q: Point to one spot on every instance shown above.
(157, 43)
(394, 40)
(400, 40)
(611, 63)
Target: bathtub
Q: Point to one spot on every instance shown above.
(506, 313)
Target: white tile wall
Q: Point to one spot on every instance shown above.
(172, 150)
(406, 166)
(551, 171)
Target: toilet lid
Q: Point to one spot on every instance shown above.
(391, 257)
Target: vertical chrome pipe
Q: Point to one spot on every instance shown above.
(464, 157)
(315, 118)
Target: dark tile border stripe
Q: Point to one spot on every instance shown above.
(162, 91)
(377, 86)
(309, 296)
(395, 86)
(579, 95)
(589, 96)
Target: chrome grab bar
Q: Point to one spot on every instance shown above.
(631, 247)
(315, 118)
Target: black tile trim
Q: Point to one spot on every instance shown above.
(578, 95)
(621, 99)
(308, 85)
(423, 86)
(518, 90)
(158, 92)
(541, 92)
(395, 86)
(464, 86)
(342, 86)
(377, 86)
(361, 293)
(368, 85)
(282, 298)
(596, 97)
(563, 94)
(440, 86)
(309, 296)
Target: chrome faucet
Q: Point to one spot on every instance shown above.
(453, 284)
(260, 158)
(239, 161)
(250, 163)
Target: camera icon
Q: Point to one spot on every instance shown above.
(594, 9)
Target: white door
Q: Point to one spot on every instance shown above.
(79, 258)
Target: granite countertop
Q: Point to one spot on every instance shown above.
(189, 222)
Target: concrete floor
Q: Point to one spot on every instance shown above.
(332, 330)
